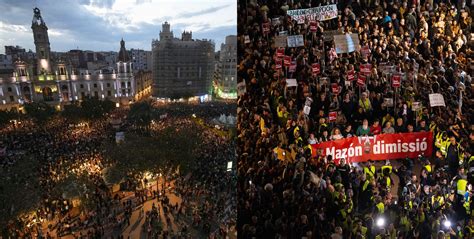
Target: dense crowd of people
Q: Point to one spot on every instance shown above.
(310, 195)
(71, 163)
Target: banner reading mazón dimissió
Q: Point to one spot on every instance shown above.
(314, 14)
(378, 147)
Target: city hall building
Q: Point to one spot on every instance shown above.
(182, 68)
(55, 81)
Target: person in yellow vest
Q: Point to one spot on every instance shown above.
(470, 228)
(369, 170)
(379, 205)
(359, 229)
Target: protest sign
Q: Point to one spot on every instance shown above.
(321, 13)
(295, 41)
(346, 43)
(280, 41)
(436, 100)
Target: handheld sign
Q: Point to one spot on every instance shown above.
(278, 65)
(335, 88)
(313, 26)
(280, 52)
(306, 110)
(266, 28)
(436, 100)
(396, 80)
(332, 116)
(350, 75)
(366, 69)
(361, 80)
(292, 67)
(365, 52)
(291, 83)
(287, 60)
(316, 68)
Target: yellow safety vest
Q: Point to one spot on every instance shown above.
(369, 172)
(387, 166)
(428, 168)
(389, 182)
(438, 199)
(262, 124)
(461, 186)
(366, 184)
(381, 207)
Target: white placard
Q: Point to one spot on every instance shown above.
(306, 110)
(295, 41)
(436, 100)
(247, 39)
(241, 89)
(291, 83)
(280, 41)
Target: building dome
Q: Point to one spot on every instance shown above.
(123, 54)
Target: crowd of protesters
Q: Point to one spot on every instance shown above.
(71, 163)
(308, 196)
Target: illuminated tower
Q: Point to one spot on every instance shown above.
(43, 50)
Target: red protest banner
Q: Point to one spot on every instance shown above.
(265, 27)
(361, 80)
(332, 116)
(287, 60)
(280, 52)
(379, 147)
(335, 88)
(350, 75)
(396, 80)
(316, 68)
(313, 26)
(292, 67)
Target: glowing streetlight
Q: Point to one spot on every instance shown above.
(447, 224)
(380, 222)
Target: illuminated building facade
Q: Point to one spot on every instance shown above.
(57, 82)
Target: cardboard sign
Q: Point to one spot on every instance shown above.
(335, 88)
(313, 26)
(280, 41)
(266, 28)
(361, 80)
(350, 75)
(316, 68)
(308, 101)
(292, 67)
(295, 41)
(291, 83)
(396, 80)
(436, 100)
(332, 116)
(287, 60)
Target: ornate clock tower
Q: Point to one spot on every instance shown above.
(43, 50)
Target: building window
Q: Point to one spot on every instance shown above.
(95, 85)
(9, 89)
(96, 94)
(123, 84)
(12, 99)
(83, 95)
(109, 93)
(82, 86)
(108, 84)
(129, 84)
